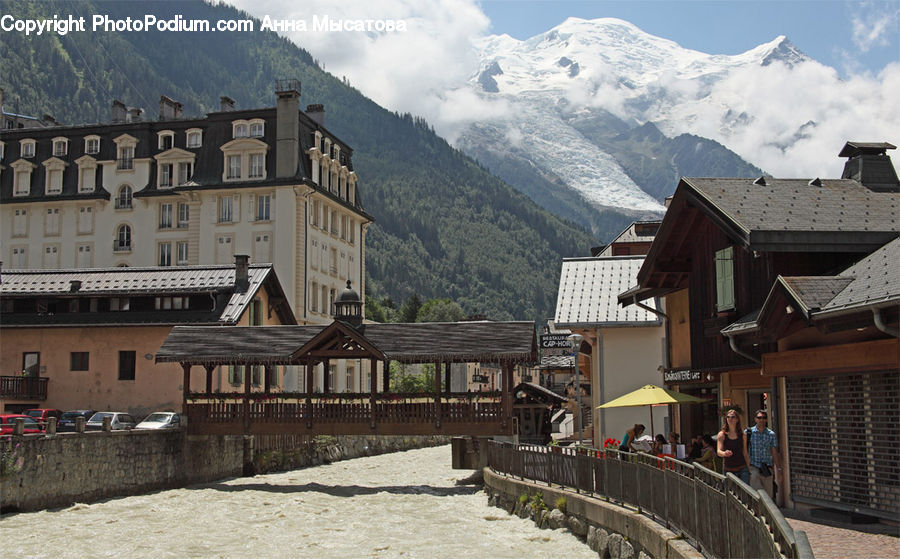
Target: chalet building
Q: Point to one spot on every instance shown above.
(623, 347)
(86, 339)
(782, 294)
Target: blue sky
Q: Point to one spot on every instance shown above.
(834, 32)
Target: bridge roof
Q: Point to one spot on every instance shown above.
(421, 342)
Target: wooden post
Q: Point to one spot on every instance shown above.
(326, 386)
(506, 395)
(373, 388)
(386, 374)
(185, 386)
(437, 395)
(267, 384)
(309, 389)
(447, 377)
(246, 371)
(209, 371)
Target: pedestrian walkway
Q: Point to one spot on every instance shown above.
(831, 542)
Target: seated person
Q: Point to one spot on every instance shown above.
(707, 453)
(658, 444)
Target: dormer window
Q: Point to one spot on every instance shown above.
(87, 173)
(240, 129)
(53, 171)
(244, 159)
(257, 128)
(60, 147)
(194, 138)
(125, 145)
(166, 139)
(26, 148)
(22, 177)
(92, 145)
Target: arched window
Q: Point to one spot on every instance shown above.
(123, 198)
(123, 238)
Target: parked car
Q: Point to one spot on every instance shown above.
(160, 420)
(42, 415)
(67, 420)
(8, 421)
(119, 420)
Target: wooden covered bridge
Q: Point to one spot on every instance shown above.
(262, 410)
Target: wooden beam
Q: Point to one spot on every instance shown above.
(309, 389)
(326, 381)
(185, 385)
(245, 369)
(373, 387)
(209, 370)
(339, 353)
(860, 357)
(267, 382)
(437, 395)
(386, 374)
(447, 377)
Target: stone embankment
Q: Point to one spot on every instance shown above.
(61, 469)
(611, 531)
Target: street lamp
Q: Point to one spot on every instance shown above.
(575, 340)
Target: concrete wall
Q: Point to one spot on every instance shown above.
(84, 467)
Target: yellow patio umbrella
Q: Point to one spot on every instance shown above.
(651, 395)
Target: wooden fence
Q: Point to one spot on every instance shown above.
(720, 515)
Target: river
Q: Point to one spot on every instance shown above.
(406, 504)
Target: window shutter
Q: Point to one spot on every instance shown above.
(253, 211)
(236, 208)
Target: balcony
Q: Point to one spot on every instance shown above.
(119, 246)
(23, 388)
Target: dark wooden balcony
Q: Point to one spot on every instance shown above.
(347, 414)
(23, 388)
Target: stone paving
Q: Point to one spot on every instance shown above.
(831, 542)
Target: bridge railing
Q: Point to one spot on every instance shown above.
(343, 408)
(720, 515)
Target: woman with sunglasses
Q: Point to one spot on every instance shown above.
(732, 446)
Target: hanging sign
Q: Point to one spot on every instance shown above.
(683, 376)
(550, 341)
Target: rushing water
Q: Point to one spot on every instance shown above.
(407, 504)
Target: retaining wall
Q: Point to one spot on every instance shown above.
(650, 537)
(67, 468)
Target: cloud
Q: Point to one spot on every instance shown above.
(874, 24)
(415, 71)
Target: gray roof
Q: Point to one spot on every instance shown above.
(876, 279)
(815, 292)
(796, 205)
(124, 282)
(407, 342)
(588, 293)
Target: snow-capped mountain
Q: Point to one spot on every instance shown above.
(569, 101)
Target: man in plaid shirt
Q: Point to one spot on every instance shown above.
(763, 447)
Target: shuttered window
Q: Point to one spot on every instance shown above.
(725, 279)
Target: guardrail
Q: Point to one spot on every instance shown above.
(23, 388)
(720, 515)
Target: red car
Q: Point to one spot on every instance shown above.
(43, 414)
(8, 421)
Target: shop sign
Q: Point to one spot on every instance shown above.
(550, 341)
(480, 379)
(683, 376)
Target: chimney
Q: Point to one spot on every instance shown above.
(869, 164)
(134, 114)
(118, 111)
(226, 103)
(287, 128)
(48, 120)
(169, 109)
(241, 273)
(74, 285)
(317, 113)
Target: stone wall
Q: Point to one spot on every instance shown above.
(69, 468)
(610, 530)
(311, 451)
(84, 467)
